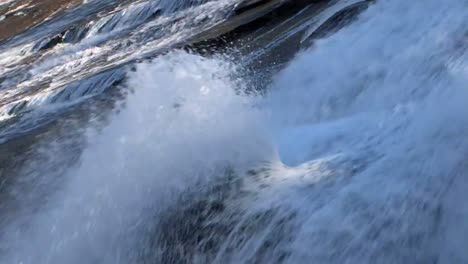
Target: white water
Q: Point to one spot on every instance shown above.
(361, 141)
(71, 73)
(68, 62)
(172, 133)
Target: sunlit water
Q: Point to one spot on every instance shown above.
(355, 154)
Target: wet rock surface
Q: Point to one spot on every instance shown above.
(19, 16)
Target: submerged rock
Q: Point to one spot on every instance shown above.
(335, 20)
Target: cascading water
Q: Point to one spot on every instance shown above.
(110, 43)
(354, 154)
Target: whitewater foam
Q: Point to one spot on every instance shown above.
(183, 125)
(348, 158)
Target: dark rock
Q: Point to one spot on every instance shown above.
(337, 21)
(49, 43)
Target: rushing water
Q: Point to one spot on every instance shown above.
(356, 152)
